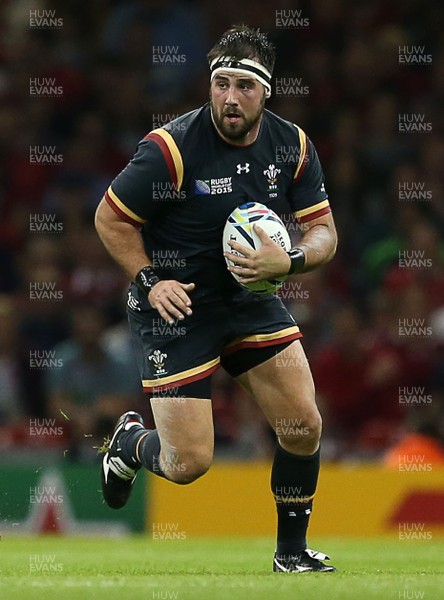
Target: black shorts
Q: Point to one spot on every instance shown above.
(236, 332)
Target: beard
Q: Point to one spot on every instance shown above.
(238, 130)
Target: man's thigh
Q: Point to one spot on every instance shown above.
(186, 433)
(283, 388)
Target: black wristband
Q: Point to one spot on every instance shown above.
(297, 258)
(146, 279)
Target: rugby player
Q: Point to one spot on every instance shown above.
(187, 314)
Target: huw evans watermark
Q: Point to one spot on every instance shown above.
(414, 259)
(413, 395)
(410, 191)
(44, 19)
(291, 87)
(168, 531)
(44, 223)
(293, 427)
(413, 123)
(44, 155)
(291, 19)
(413, 531)
(44, 563)
(414, 55)
(45, 494)
(45, 87)
(414, 328)
(44, 290)
(168, 55)
(166, 190)
(45, 428)
(44, 359)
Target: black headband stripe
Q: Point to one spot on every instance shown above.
(232, 64)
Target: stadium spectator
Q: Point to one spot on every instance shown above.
(356, 382)
(90, 386)
(12, 364)
(422, 439)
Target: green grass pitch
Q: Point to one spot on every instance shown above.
(140, 568)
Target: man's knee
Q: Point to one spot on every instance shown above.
(187, 466)
(300, 435)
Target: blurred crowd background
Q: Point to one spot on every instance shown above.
(373, 328)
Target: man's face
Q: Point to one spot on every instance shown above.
(237, 103)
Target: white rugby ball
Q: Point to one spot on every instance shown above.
(239, 228)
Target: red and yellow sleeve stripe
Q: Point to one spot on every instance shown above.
(319, 209)
(303, 154)
(171, 154)
(123, 211)
(173, 159)
(313, 212)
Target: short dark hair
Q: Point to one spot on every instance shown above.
(241, 41)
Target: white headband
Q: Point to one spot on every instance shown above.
(245, 66)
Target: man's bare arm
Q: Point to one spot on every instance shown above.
(122, 240)
(318, 242)
(125, 244)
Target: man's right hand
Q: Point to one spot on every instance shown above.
(171, 300)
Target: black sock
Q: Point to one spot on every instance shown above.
(148, 451)
(293, 482)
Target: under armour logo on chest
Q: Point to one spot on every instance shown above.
(243, 169)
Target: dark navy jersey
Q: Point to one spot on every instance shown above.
(185, 180)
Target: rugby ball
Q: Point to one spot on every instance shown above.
(239, 228)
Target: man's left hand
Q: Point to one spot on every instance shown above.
(269, 262)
